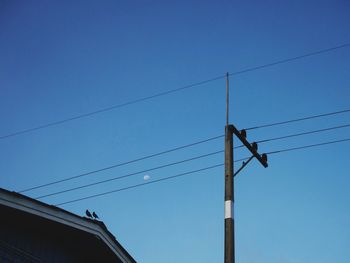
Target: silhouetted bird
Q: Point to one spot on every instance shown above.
(88, 214)
(94, 215)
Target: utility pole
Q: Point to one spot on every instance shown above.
(229, 186)
(229, 254)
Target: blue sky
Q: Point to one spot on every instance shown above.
(60, 59)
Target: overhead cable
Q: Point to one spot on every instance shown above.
(283, 61)
(113, 107)
(303, 133)
(178, 148)
(130, 174)
(120, 164)
(308, 146)
(199, 170)
(298, 119)
(142, 184)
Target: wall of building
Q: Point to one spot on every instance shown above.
(29, 238)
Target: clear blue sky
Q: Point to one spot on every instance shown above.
(59, 59)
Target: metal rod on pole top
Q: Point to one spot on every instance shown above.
(227, 98)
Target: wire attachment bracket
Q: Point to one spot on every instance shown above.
(243, 165)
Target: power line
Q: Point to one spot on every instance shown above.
(199, 170)
(130, 174)
(283, 61)
(50, 124)
(299, 119)
(304, 133)
(196, 158)
(138, 185)
(121, 164)
(55, 123)
(308, 146)
(190, 145)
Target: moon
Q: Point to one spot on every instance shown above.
(146, 177)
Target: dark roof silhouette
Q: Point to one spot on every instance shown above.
(94, 228)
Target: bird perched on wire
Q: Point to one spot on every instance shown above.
(88, 214)
(95, 215)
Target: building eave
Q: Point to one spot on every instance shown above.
(59, 215)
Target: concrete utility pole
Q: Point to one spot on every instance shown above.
(229, 255)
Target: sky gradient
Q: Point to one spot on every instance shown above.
(60, 59)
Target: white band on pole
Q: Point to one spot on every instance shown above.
(229, 213)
